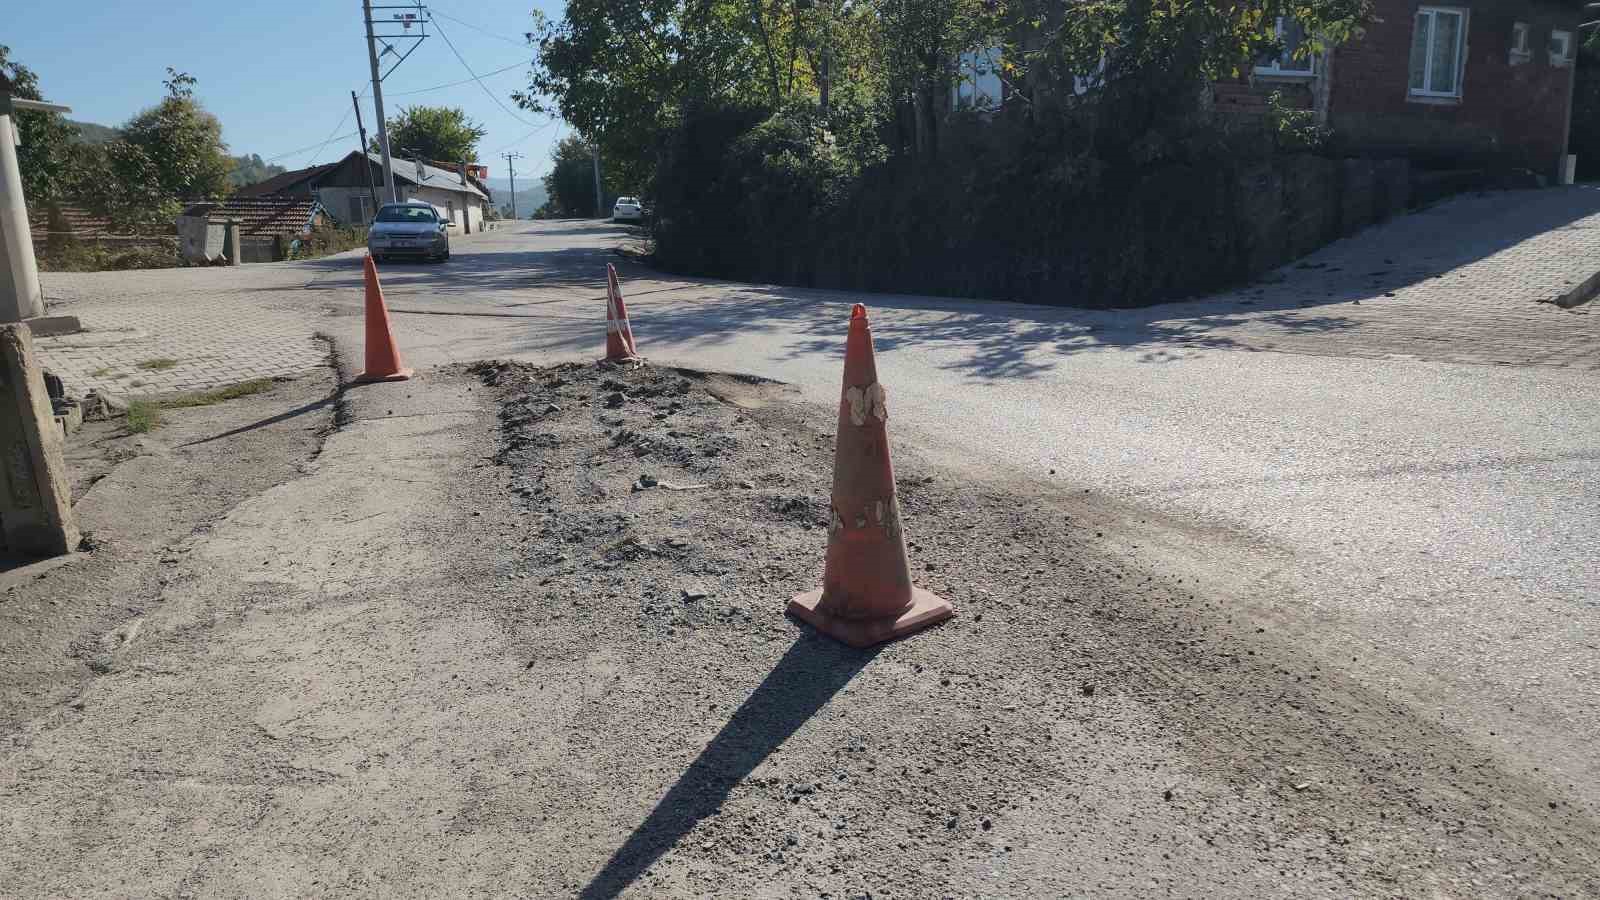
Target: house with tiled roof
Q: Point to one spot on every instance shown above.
(351, 189)
(268, 226)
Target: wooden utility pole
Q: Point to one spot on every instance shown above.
(372, 188)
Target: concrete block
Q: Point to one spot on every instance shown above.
(35, 498)
(54, 326)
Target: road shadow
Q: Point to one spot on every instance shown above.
(810, 673)
(1340, 288)
(313, 406)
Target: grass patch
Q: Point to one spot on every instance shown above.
(145, 414)
(217, 395)
(101, 373)
(159, 364)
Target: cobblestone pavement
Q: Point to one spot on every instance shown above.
(177, 330)
(1469, 281)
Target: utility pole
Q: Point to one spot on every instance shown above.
(20, 296)
(599, 198)
(371, 188)
(377, 104)
(825, 79)
(512, 166)
(405, 22)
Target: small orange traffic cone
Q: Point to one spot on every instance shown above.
(867, 596)
(383, 357)
(619, 334)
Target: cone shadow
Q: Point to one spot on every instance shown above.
(804, 680)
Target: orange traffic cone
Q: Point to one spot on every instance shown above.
(619, 334)
(383, 357)
(867, 596)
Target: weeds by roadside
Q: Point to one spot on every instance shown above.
(328, 241)
(81, 257)
(160, 364)
(145, 414)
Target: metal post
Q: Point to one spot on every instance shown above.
(20, 297)
(599, 198)
(511, 165)
(825, 79)
(362, 129)
(377, 104)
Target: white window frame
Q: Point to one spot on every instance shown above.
(1276, 67)
(1521, 43)
(1565, 59)
(1432, 13)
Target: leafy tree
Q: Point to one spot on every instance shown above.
(570, 182)
(442, 133)
(45, 156)
(178, 144)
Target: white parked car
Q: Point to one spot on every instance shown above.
(628, 209)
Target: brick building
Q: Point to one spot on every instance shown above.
(1456, 84)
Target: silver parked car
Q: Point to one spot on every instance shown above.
(412, 228)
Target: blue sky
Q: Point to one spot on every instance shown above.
(279, 76)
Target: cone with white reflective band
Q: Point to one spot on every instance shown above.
(867, 596)
(619, 334)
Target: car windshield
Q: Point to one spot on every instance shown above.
(415, 214)
(628, 200)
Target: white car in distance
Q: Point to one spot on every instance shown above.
(627, 209)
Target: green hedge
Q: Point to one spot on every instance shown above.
(1006, 211)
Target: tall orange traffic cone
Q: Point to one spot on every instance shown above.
(383, 357)
(619, 334)
(867, 596)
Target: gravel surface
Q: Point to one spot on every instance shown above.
(530, 641)
(1082, 727)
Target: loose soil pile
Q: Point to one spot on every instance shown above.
(1082, 726)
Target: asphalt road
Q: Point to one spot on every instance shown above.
(1428, 527)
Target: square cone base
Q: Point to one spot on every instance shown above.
(926, 609)
(402, 375)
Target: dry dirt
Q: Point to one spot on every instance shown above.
(529, 641)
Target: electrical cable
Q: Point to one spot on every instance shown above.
(440, 87)
(464, 23)
(477, 79)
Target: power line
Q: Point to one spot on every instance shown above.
(440, 87)
(342, 119)
(475, 77)
(316, 147)
(464, 23)
(528, 135)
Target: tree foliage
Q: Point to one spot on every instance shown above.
(252, 169)
(166, 154)
(570, 181)
(442, 133)
(45, 155)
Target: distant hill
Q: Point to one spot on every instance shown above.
(530, 194)
(251, 169)
(90, 133)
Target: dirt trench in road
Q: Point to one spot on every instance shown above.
(529, 641)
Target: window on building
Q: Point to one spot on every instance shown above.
(1295, 58)
(1437, 43)
(1560, 48)
(978, 80)
(1521, 46)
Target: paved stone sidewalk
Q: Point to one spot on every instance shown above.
(180, 330)
(1466, 281)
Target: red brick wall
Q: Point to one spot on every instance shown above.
(1507, 115)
